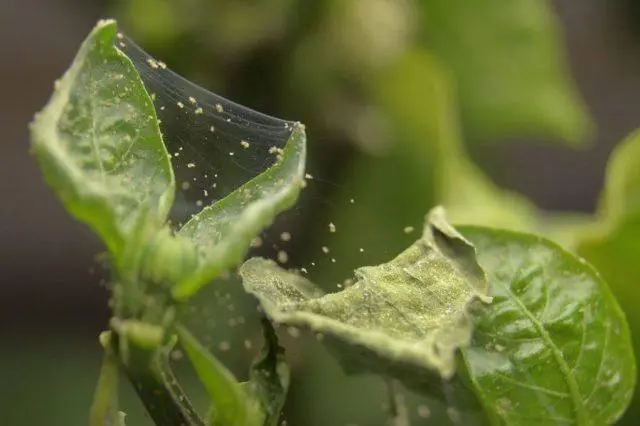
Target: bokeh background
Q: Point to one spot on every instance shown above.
(536, 94)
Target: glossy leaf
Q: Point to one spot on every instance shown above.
(507, 62)
(554, 346)
(401, 318)
(99, 145)
(223, 232)
(229, 402)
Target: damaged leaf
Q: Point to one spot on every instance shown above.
(402, 318)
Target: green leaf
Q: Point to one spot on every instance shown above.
(622, 191)
(99, 145)
(462, 188)
(404, 318)
(554, 346)
(472, 198)
(257, 402)
(229, 402)
(612, 243)
(223, 231)
(507, 62)
(269, 377)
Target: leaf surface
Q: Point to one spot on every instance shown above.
(507, 62)
(554, 346)
(99, 145)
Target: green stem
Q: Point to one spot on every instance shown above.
(399, 415)
(104, 406)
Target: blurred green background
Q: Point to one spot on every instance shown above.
(407, 103)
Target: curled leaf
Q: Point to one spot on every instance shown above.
(99, 145)
(402, 318)
(223, 231)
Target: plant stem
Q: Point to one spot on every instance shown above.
(104, 406)
(398, 413)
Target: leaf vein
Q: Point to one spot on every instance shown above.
(602, 359)
(557, 354)
(582, 342)
(533, 387)
(92, 105)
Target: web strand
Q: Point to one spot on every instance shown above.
(216, 144)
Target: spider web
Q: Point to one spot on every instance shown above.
(215, 144)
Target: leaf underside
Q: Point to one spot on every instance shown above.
(405, 318)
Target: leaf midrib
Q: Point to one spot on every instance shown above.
(574, 391)
(95, 149)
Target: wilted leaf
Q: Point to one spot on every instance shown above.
(405, 318)
(99, 145)
(554, 346)
(507, 62)
(224, 231)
